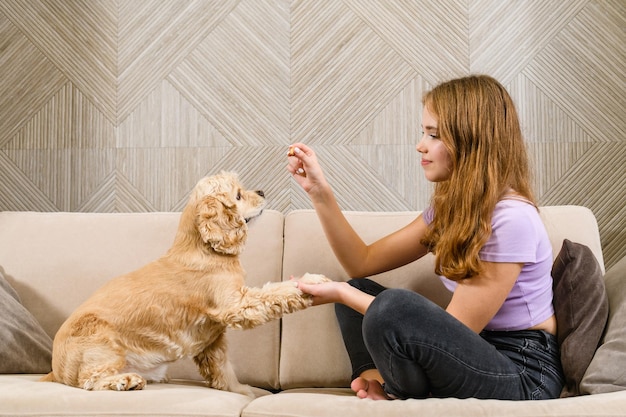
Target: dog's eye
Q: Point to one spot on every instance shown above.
(238, 195)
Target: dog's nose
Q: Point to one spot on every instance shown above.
(261, 193)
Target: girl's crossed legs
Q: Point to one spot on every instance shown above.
(420, 350)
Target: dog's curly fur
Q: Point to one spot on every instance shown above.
(180, 305)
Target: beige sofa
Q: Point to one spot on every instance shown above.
(298, 365)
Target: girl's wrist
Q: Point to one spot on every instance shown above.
(321, 194)
(344, 292)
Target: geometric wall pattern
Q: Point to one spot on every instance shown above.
(122, 105)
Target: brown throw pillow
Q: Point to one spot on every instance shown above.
(25, 348)
(607, 372)
(581, 309)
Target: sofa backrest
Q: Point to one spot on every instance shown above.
(312, 351)
(56, 260)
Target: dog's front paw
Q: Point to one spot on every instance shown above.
(313, 279)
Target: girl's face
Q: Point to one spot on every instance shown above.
(436, 160)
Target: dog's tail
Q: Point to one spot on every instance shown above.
(48, 378)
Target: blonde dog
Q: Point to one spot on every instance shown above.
(180, 305)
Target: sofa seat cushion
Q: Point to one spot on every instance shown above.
(325, 402)
(24, 395)
(25, 347)
(607, 371)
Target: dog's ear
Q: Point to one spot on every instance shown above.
(219, 224)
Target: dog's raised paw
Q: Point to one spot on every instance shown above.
(313, 278)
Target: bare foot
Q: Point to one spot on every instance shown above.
(368, 388)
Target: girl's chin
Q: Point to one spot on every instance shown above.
(435, 178)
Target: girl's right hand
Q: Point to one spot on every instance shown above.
(305, 168)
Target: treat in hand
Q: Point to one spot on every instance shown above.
(292, 152)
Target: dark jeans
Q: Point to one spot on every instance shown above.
(421, 350)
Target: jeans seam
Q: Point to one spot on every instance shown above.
(539, 389)
(469, 366)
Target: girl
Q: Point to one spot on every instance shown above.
(496, 338)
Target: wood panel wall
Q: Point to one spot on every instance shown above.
(122, 105)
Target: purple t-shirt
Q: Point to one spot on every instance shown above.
(519, 236)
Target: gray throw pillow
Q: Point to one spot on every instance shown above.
(607, 372)
(25, 348)
(581, 309)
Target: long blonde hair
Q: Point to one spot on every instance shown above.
(479, 126)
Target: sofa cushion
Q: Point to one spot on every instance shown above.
(324, 402)
(24, 395)
(576, 223)
(581, 309)
(314, 333)
(606, 372)
(25, 347)
(79, 252)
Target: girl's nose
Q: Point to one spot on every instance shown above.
(420, 146)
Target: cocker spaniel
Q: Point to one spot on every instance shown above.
(180, 305)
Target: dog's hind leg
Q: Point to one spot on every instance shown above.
(109, 372)
(217, 370)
